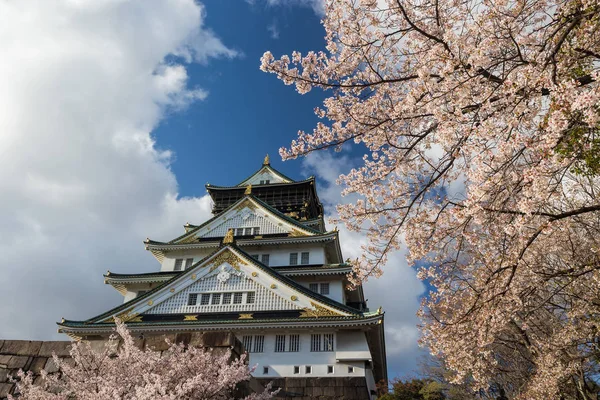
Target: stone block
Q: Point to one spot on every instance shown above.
(37, 364)
(4, 358)
(21, 347)
(17, 362)
(218, 339)
(61, 348)
(5, 389)
(329, 391)
(50, 366)
(158, 342)
(350, 393)
(4, 375)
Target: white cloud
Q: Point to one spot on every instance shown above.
(82, 85)
(318, 6)
(273, 29)
(398, 291)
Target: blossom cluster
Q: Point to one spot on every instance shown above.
(482, 120)
(122, 370)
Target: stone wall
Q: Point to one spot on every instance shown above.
(347, 388)
(36, 356)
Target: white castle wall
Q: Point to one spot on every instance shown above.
(281, 364)
(278, 255)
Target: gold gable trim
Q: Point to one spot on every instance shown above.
(318, 311)
(189, 239)
(295, 233)
(245, 204)
(226, 257)
(126, 316)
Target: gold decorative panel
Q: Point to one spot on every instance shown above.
(296, 232)
(318, 311)
(226, 257)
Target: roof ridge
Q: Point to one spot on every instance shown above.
(268, 167)
(310, 178)
(246, 256)
(249, 196)
(296, 285)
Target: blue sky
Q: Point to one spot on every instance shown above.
(248, 113)
(115, 113)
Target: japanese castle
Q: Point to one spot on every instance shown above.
(265, 268)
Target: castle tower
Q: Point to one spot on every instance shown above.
(265, 268)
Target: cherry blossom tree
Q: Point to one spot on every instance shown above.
(134, 374)
(480, 120)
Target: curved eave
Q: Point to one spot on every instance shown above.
(284, 218)
(268, 168)
(309, 180)
(129, 279)
(330, 303)
(162, 246)
(81, 327)
(314, 271)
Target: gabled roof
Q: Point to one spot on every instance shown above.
(314, 304)
(255, 202)
(117, 279)
(266, 168)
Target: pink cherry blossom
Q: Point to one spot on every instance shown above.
(481, 123)
(131, 373)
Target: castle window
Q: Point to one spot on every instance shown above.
(255, 256)
(322, 288)
(237, 298)
(350, 370)
(216, 298)
(296, 369)
(261, 182)
(227, 298)
(267, 181)
(304, 257)
(308, 369)
(293, 258)
(192, 299)
(330, 369)
(256, 230)
(279, 343)
(189, 262)
(250, 297)
(259, 343)
(294, 345)
(315, 342)
(328, 342)
(265, 370)
(240, 232)
(247, 342)
(204, 299)
(141, 292)
(265, 259)
(247, 231)
(178, 264)
(320, 342)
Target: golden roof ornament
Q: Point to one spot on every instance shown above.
(248, 190)
(228, 239)
(267, 161)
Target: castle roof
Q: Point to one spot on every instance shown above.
(311, 305)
